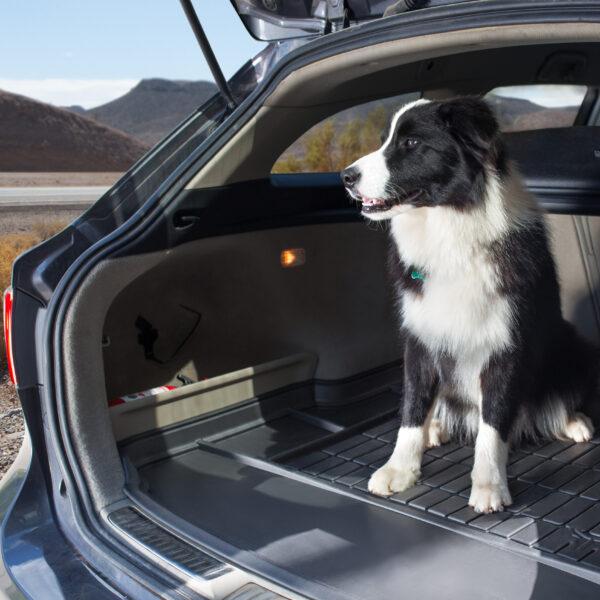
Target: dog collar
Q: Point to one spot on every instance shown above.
(416, 275)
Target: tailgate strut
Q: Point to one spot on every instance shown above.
(213, 64)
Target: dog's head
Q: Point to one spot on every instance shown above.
(433, 154)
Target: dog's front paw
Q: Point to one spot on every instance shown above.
(489, 498)
(388, 480)
(579, 428)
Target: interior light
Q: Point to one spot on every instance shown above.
(293, 257)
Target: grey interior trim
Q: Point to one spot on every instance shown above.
(254, 311)
(203, 397)
(85, 388)
(589, 259)
(576, 292)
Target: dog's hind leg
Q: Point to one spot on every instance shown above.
(436, 433)
(579, 428)
(420, 386)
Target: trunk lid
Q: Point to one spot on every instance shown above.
(273, 20)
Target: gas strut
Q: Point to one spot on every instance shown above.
(192, 18)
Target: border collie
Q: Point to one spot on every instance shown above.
(487, 354)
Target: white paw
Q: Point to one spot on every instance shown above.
(387, 480)
(436, 436)
(489, 498)
(579, 428)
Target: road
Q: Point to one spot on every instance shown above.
(12, 198)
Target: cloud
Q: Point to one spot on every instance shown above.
(67, 92)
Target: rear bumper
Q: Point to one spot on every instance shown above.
(37, 562)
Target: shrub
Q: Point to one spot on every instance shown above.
(11, 246)
(323, 150)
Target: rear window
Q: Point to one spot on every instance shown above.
(526, 107)
(338, 141)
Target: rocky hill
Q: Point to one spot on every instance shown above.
(153, 107)
(35, 136)
(516, 114)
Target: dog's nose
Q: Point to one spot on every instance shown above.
(350, 176)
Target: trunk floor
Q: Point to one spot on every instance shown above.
(555, 488)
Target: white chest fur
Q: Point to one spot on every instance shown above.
(460, 311)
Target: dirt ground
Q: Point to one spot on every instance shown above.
(12, 427)
(56, 179)
(22, 221)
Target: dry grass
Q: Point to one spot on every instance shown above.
(11, 246)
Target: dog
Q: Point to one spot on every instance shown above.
(487, 353)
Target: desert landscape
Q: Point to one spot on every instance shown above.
(45, 146)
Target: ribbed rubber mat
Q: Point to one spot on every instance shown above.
(555, 489)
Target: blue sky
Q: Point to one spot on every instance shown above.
(89, 52)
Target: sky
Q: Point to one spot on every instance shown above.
(87, 52)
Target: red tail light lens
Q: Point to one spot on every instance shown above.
(8, 306)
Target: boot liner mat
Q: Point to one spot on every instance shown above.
(555, 485)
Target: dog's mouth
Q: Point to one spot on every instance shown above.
(373, 205)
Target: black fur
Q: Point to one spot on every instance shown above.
(421, 382)
(550, 361)
(457, 140)
(401, 274)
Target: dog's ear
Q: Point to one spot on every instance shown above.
(472, 123)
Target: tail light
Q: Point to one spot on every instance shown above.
(8, 306)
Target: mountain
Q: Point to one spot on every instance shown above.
(153, 107)
(516, 114)
(35, 136)
(76, 108)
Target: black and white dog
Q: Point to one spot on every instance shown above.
(487, 353)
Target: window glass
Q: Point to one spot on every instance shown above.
(524, 107)
(338, 141)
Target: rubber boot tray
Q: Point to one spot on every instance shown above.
(555, 488)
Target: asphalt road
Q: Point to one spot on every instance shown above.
(23, 197)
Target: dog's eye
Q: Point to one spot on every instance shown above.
(411, 142)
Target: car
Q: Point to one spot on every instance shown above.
(207, 358)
